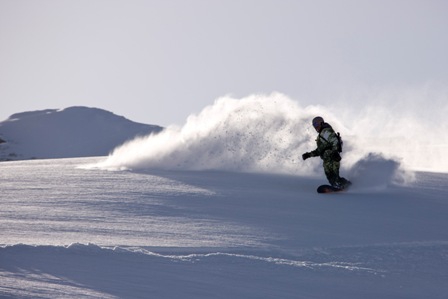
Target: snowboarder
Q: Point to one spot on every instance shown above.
(328, 148)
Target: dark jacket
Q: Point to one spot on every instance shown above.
(327, 144)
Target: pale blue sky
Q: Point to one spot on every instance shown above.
(159, 61)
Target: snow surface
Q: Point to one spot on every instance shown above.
(71, 232)
(224, 208)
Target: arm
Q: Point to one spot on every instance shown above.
(314, 153)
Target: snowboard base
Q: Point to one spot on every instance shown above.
(328, 189)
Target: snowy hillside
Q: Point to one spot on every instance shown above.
(71, 132)
(223, 207)
(68, 231)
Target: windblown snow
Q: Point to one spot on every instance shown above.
(224, 208)
(269, 133)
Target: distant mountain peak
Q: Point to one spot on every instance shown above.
(64, 133)
(26, 114)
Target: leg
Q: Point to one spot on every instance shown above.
(331, 169)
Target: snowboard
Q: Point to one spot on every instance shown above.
(328, 189)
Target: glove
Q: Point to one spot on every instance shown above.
(306, 156)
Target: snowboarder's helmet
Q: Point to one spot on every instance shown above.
(317, 121)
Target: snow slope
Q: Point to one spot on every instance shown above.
(71, 132)
(224, 208)
(71, 232)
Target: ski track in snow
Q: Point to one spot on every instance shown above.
(83, 270)
(93, 249)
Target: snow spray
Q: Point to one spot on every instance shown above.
(269, 133)
(259, 133)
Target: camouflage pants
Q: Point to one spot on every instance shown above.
(331, 169)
